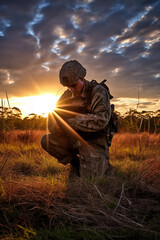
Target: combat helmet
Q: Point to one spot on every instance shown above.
(71, 72)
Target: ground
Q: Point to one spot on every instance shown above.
(39, 202)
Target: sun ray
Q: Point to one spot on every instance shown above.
(71, 132)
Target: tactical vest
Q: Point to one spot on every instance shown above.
(69, 107)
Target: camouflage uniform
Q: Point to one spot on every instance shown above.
(80, 138)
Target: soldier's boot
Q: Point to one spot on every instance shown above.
(74, 168)
(92, 164)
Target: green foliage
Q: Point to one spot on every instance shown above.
(59, 232)
(62, 232)
(49, 166)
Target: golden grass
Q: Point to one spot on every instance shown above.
(35, 190)
(25, 136)
(150, 171)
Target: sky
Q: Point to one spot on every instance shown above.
(117, 40)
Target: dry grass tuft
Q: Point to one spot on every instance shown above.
(78, 204)
(134, 139)
(25, 136)
(150, 171)
(35, 190)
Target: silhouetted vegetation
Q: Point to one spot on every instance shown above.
(11, 119)
(135, 122)
(132, 121)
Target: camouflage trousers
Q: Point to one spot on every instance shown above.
(93, 154)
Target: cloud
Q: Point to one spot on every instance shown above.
(117, 40)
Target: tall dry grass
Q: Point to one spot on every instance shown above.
(24, 136)
(138, 155)
(36, 193)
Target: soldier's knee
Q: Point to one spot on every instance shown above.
(44, 142)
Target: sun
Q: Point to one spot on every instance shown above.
(40, 105)
(45, 103)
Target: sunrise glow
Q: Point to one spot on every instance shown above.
(117, 41)
(40, 105)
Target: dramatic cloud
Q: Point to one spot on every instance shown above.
(117, 40)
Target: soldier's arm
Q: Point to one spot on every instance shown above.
(100, 113)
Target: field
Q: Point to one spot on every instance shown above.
(38, 201)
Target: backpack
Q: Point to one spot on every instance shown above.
(103, 85)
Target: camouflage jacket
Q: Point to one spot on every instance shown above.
(89, 112)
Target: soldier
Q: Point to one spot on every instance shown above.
(78, 124)
(113, 125)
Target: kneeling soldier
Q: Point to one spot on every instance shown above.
(78, 124)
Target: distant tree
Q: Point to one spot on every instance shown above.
(16, 112)
(131, 121)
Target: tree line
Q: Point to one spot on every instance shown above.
(131, 121)
(145, 121)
